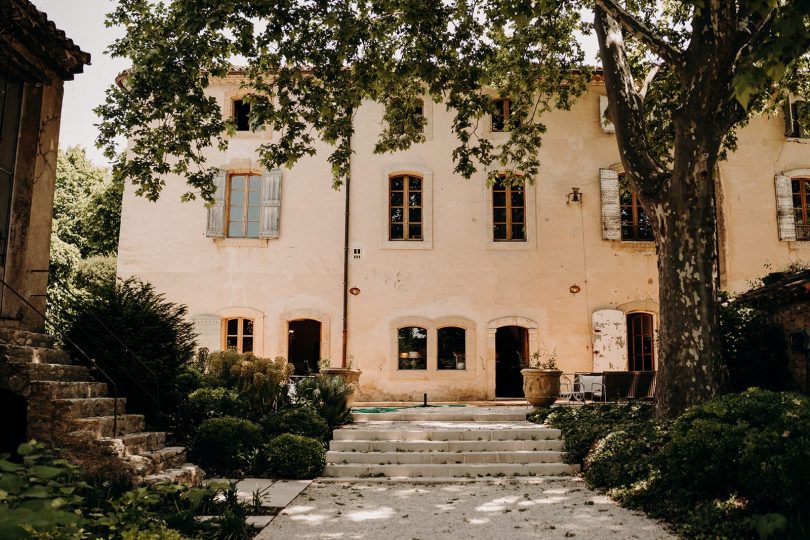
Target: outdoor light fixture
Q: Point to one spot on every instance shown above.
(354, 290)
(574, 196)
(574, 289)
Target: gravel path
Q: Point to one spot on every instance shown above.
(492, 509)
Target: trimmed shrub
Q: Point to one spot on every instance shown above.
(207, 403)
(95, 271)
(226, 446)
(328, 395)
(155, 330)
(623, 457)
(303, 421)
(263, 381)
(294, 456)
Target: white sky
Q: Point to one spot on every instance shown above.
(83, 22)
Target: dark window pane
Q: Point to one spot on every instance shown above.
(247, 344)
(247, 327)
(415, 232)
(232, 326)
(499, 232)
(396, 198)
(397, 183)
(415, 199)
(518, 232)
(396, 215)
(230, 343)
(498, 198)
(241, 110)
(645, 232)
(517, 197)
(499, 215)
(412, 347)
(415, 215)
(626, 197)
(451, 348)
(414, 183)
(518, 215)
(396, 232)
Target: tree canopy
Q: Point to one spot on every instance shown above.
(680, 77)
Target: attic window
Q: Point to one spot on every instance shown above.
(797, 119)
(241, 112)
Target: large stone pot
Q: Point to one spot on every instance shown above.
(541, 386)
(349, 376)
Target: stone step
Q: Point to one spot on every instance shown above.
(69, 389)
(57, 372)
(34, 355)
(426, 458)
(142, 441)
(187, 474)
(445, 446)
(470, 470)
(170, 457)
(25, 338)
(102, 426)
(90, 407)
(451, 415)
(449, 434)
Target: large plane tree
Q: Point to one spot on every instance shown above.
(680, 77)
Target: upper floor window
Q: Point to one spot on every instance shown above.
(243, 205)
(635, 222)
(797, 118)
(800, 188)
(502, 114)
(405, 207)
(238, 334)
(509, 211)
(241, 113)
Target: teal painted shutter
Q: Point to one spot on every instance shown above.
(611, 209)
(216, 213)
(271, 204)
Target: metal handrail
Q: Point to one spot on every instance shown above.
(154, 375)
(92, 361)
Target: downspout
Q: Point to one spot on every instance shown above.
(344, 352)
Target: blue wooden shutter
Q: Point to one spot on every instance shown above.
(216, 212)
(271, 204)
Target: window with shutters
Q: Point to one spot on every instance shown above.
(800, 189)
(635, 223)
(405, 207)
(243, 206)
(797, 119)
(640, 342)
(237, 334)
(502, 114)
(509, 211)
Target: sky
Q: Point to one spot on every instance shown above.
(83, 22)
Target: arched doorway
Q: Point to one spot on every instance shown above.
(304, 345)
(511, 348)
(15, 424)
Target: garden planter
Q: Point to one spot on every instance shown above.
(349, 376)
(541, 386)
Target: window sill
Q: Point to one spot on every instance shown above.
(430, 374)
(510, 245)
(242, 242)
(802, 140)
(407, 244)
(645, 247)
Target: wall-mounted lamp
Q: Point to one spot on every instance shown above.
(574, 289)
(574, 196)
(355, 291)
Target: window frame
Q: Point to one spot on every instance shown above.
(801, 213)
(635, 210)
(240, 335)
(397, 169)
(245, 205)
(504, 107)
(236, 104)
(406, 208)
(439, 329)
(508, 209)
(432, 326)
(643, 317)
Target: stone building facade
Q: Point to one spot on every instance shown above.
(452, 282)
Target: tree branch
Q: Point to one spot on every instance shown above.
(641, 31)
(626, 107)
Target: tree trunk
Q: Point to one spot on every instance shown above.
(690, 368)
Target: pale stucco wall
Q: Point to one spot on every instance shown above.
(460, 276)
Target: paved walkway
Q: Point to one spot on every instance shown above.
(485, 509)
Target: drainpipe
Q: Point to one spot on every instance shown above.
(344, 352)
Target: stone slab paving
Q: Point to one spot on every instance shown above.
(493, 509)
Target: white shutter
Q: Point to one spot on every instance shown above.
(609, 340)
(611, 209)
(788, 110)
(604, 116)
(785, 218)
(216, 213)
(209, 331)
(271, 204)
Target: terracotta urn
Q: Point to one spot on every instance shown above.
(349, 376)
(541, 386)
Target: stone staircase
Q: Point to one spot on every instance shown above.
(67, 409)
(468, 442)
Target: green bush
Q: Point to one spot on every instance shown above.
(226, 446)
(294, 456)
(95, 271)
(622, 457)
(156, 331)
(206, 403)
(262, 381)
(328, 395)
(303, 421)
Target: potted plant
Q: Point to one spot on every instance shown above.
(349, 375)
(541, 379)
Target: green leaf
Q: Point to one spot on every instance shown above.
(36, 492)
(45, 472)
(25, 448)
(7, 466)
